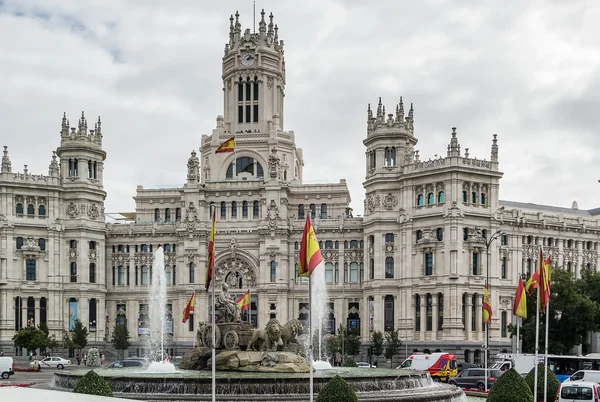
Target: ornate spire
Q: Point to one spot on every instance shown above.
(411, 118)
(400, 113)
(82, 124)
(453, 147)
(270, 31)
(495, 148)
(379, 111)
(53, 169)
(262, 25)
(64, 129)
(231, 30)
(6, 166)
(98, 127)
(276, 37)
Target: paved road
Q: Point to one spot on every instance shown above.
(40, 377)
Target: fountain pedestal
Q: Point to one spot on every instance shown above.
(262, 362)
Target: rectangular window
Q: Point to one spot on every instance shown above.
(475, 263)
(240, 114)
(255, 90)
(191, 323)
(240, 92)
(353, 272)
(255, 113)
(192, 275)
(418, 315)
(429, 314)
(121, 277)
(144, 276)
(504, 270)
(248, 91)
(329, 272)
(30, 270)
(248, 114)
(428, 264)
(503, 324)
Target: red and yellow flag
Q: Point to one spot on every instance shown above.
(189, 308)
(310, 253)
(520, 304)
(487, 307)
(211, 250)
(227, 146)
(532, 282)
(244, 301)
(544, 275)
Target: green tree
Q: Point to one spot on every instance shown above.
(31, 338)
(331, 345)
(573, 315)
(510, 387)
(378, 342)
(352, 342)
(553, 383)
(79, 335)
(392, 345)
(120, 339)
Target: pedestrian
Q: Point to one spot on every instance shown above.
(1, 353)
(85, 359)
(78, 358)
(102, 359)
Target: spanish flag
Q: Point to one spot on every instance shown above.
(211, 250)
(544, 275)
(310, 253)
(532, 282)
(244, 301)
(189, 308)
(520, 304)
(227, 146)
(487, 307)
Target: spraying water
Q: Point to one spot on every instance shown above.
(158, 303)
(318, 310)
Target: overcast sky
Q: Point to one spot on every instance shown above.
(525, 70)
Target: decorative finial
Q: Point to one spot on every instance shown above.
(453, 147)
(495, 148)
(6, 165)
(276, 37)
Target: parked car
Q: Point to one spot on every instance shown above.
(126, 364)
(585, 375)
(144, 360)
(54, 361)
(463, 366)
(578, 391)
(475, 378)
(7, 367)
(364, 365)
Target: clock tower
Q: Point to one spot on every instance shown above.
(253, 78)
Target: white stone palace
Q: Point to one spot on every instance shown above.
(417, 261)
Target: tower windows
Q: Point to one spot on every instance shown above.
(301, 211)
(248, 97)
(245, 165)
(390, 157)
(244, 209)
(255, 209)
(30, 209)
(19, 209)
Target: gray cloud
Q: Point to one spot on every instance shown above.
(526, 71)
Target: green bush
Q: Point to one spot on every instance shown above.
(337, 390)
(510, 387)
(92, 384)
(349, 362)
(553, 383)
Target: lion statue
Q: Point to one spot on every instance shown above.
(200, 334)
(290, 331)
(268, 338)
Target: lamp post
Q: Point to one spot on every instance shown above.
(488, 243)
(345, 316)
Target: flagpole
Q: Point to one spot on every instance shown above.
(518, 337)
(214, 331)
(537, 332)
(249, 306)
(310, 336)
(546, 349)
(193, 311)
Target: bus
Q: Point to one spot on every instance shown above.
(440, 366)
(563, 366)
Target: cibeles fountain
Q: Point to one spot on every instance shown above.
(252, 364)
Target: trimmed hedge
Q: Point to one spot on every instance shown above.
(349, 362)
(510, 387)
(337, 390)
(92, 384)
(553, 383)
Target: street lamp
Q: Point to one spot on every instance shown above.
(488, 243)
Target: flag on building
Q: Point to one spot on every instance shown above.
(487, 307)
(532, 282)
(544, 286)
(244, 301)
(189, 308)
(520, 305)
(310, 253)
(227, 146)
(211, 250)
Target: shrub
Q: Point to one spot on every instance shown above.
(337, 390)
(92, 384)
(510, 387)
(349, 362)
(553, 383)
(93, 358)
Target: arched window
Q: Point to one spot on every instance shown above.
(73, 272)
(42, 244)
(441, 197)
(223, 209)
(336, 245)
(323, 211)
(328, 272)
(483, 199)
(177, 214)
(41, 210)
(464, 196)
(473, 198)
(430, 199)
(19, 209)
(301, 211)
(313, 211)
(245, 166)
(255, 209)
(419, 235)
(328, 244)
(19, 241)
(371, 268)
(439, 234)
(273, 276)
(244, 209)
(167, 214)
(167, 248)
(30, 209)
(420, 200)
(353, 244)
(156, 215)
(92, 273)
(234, 209)
(389, 267)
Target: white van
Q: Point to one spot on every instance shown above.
(585, 375)
(578, 391)
(7, 367)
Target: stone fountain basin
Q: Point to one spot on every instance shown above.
(370, 384)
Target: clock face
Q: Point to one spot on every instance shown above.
(248, 59)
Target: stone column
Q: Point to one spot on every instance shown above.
(468, 316)
(434, 316)
(479, 317)
(423, 311)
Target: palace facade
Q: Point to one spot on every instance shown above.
(417, 261)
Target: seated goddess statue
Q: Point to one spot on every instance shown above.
(225, 303)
